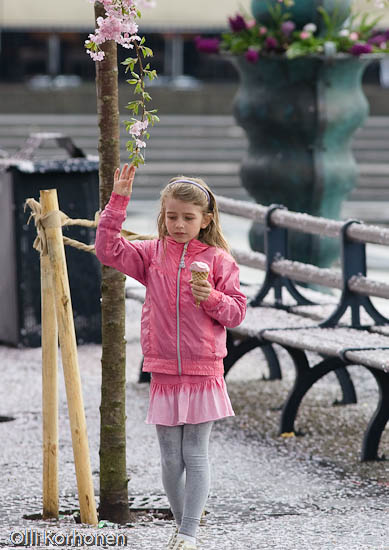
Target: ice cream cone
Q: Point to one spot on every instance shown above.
(199, 275)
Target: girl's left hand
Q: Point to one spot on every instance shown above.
(123, 180)
(201, 290)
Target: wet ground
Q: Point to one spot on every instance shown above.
(300, 493)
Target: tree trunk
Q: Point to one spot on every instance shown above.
(113, 476)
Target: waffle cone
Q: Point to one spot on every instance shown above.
(199, 276)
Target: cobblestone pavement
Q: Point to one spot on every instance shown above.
(267, 492)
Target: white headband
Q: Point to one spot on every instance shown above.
(197, 185)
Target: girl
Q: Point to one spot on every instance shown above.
(182, 331)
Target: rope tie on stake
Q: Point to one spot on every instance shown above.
(52, 219)
(58, 218)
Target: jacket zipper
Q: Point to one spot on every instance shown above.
(180, 266)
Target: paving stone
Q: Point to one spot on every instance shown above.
(265, 493)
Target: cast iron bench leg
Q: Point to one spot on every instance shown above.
(306, 377)
(272, 362)
(349, 396)
(236, 351)
(371, 439)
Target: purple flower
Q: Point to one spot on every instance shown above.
(207, 45)
(288, 27)
(359, 49)
(271, 43)
(252, 55)
(237, 23)
(377, 39)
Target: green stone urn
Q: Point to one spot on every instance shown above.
(300, 116)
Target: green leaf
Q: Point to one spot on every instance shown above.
(137, 160)
(130, 61)
(297, 49)
(147, 52)
(152, 74)
(152, 118)
(134, 109)
(134, 102)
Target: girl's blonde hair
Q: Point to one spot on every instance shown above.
(187, 192)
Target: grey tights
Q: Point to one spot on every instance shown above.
(184, 450)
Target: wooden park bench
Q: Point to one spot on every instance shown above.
(343, 331)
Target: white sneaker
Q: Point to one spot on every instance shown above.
(182, 544)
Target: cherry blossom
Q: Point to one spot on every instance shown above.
(120, 24)
(138, 127)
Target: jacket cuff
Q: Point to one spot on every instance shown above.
(213, 299)
(118, 202)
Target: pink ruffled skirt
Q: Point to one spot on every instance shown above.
(187, 399)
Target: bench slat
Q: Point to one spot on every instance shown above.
(378, 358)
(323, 312)
(260, 318)
(380, 329)
(304, 222)
(328, 341)
(308, 273)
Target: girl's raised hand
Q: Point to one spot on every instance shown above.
(122, 180)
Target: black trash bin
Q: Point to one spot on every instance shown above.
(76, 181)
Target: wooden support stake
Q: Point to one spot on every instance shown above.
(49, 391)
(67, 339)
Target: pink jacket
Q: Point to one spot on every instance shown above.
(176, 336)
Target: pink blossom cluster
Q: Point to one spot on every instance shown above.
(137, 131)
(119, 24)
(139, 127)
(140, 144)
